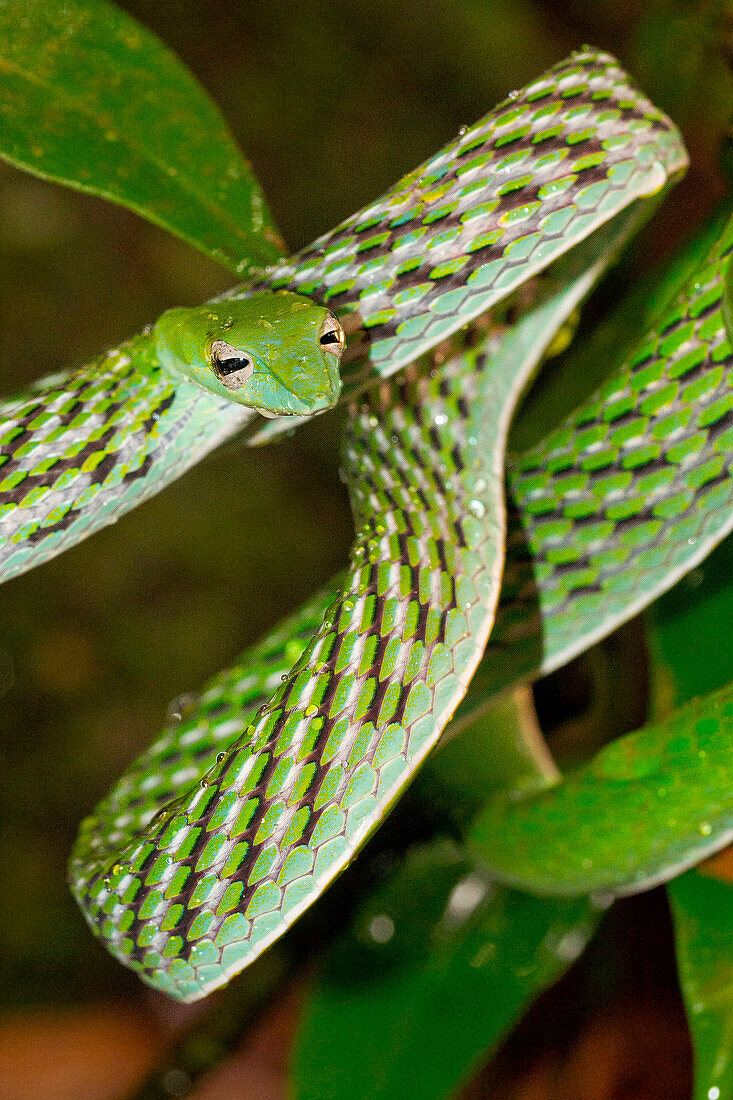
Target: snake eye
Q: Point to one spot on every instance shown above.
(231, 365)
(332, 336)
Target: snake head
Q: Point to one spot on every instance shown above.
(275, 351)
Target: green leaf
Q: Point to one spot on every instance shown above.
(501, 749)
(678, 52)
(91, 99)
(440, 963)
(703, 920)
(691, 633)
(435, 971)
(648, 806)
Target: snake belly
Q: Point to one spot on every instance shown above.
(207, 850)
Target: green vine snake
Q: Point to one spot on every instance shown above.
(438, 302)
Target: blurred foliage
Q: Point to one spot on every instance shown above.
(331, 102)
(411, 999)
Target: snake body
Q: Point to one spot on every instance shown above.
(626, 495)
(245, 808)
(496, 206)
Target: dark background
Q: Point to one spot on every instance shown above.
(332, 102)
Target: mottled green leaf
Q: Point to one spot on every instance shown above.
(436, 969)
(647, 806)
(90, 98)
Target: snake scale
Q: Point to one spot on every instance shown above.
(449, 290)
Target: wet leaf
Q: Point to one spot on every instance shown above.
(436, 969)
(647, 806)
(703, 921)
(90, 98)
(691, 631)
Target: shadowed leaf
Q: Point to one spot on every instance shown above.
(437, 968)
(691, 633)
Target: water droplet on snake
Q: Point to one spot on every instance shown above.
(656, 181)
(181, 706)
(477, 508)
